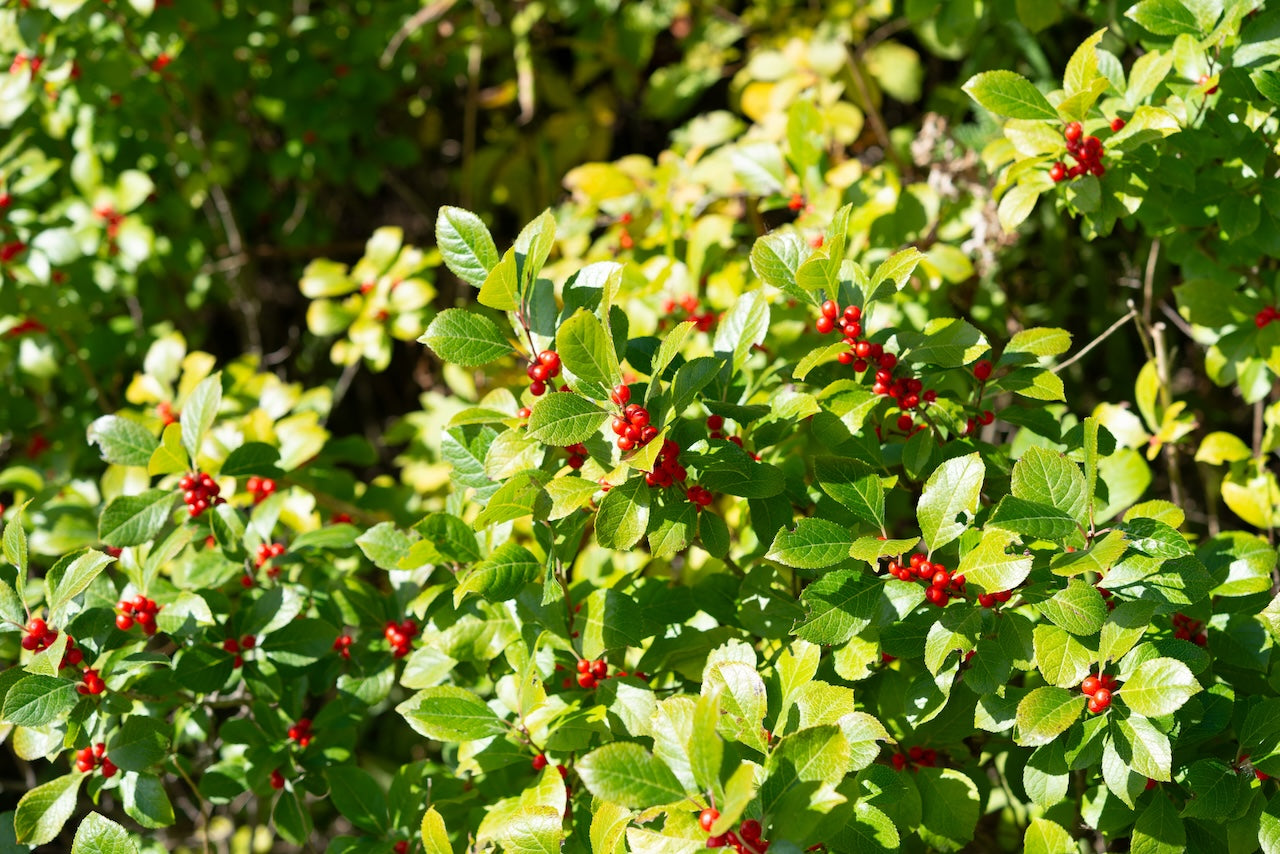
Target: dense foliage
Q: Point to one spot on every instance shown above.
(640, 427)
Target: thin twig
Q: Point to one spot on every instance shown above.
(1133, 312)
(873, 114)
(420, 19)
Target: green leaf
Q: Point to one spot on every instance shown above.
(291, 818)
(1164, 17)
(465, 338)
(501, 288)
(623, 516)
(952, 490)
(15, 542)
(252, 458)
(1159, 687)
(1267, 82)
(951, 808)
(199, 411)
(131, 520)
(43, 811)
(1011, 95)
(169, 457)
(897, 268)
(465, 244)
(564, 418)
(611, 620)
(100, 835)
(1032, 519)
(812, 544)
(203, 669)
(670, 347)
(449, 713)
(145, 800)
(1038, 342)
(228, 529)
(1159, 830)
(502, 575)
(34, 701)
(705, 748)
(1155, 539)
(139, 743)
(1079, 608)
(1143, 747)
(1063, 660)
(300, 642)
(1047, 837)
(1045, 713)
(1218, 790)
(76, 578)
(627, 774)
(1124, 627)
(435, 836)
(989, 566)
(838, 605)
(866, 831)
(775, 257)
(853, 485)
(358, 797)
(1219, 448)
(1017, 203)
(531, 248)
(815, 755)
(121, 441)
(1047, 477)
(522, 495)
(587, 352)
(743, 327)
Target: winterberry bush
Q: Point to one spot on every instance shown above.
(778, 491)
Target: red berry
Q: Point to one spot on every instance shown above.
(537, 388)
(277, 779)
(539, 762)
(941, 578)
(621, 394)
(1100, 701)
(1073, 131)
(936, 595)
(707, 818)
(830, 309)
(987, 416)
(600, 669)
(1117, 125)
(750, 830)
(586, 680)
(982, 370)
(825, 325)
(905, 422)
(1090, 685)
(1058, 173)
(715, 422)
(108, 767)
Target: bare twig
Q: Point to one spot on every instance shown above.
(1133, 312)
(420, 19)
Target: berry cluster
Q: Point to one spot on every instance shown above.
(667, 469)
(1265, 316)
(164, 411)
(40, 637)
(940, 581)
(632, 427)
(266, 551)
(700, 496)
(91, 683)
(746, 841)
(9, 251)
(89, 758)
(577, 455)
(1098, 689)
(990, 600)
(301, 732)
(545, 367)
(261, 488)
(199, 492)
(1087, 150)
(916, 757)
(703, 320)
(591, 672)
(342, 645)
(400, 636)
(238, 647)
(140, 610)
(1185, 628)
(796, 203)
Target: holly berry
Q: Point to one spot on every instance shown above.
(277, 779)
(260, 488)
(1204, 82)
(707, 818)
(164, 411)
(1058, 172)
(1073, 132)
(1117, 125)
(796, 203)
(1090, 685)
(400, 636)
(621, 394)
(1100, 701)
(982, 370)
(700, 496)
(91, 684)
(199, 492)
(401, 847)
(1265, 316)
(301, 732)
(343, 645)
(539, 762)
